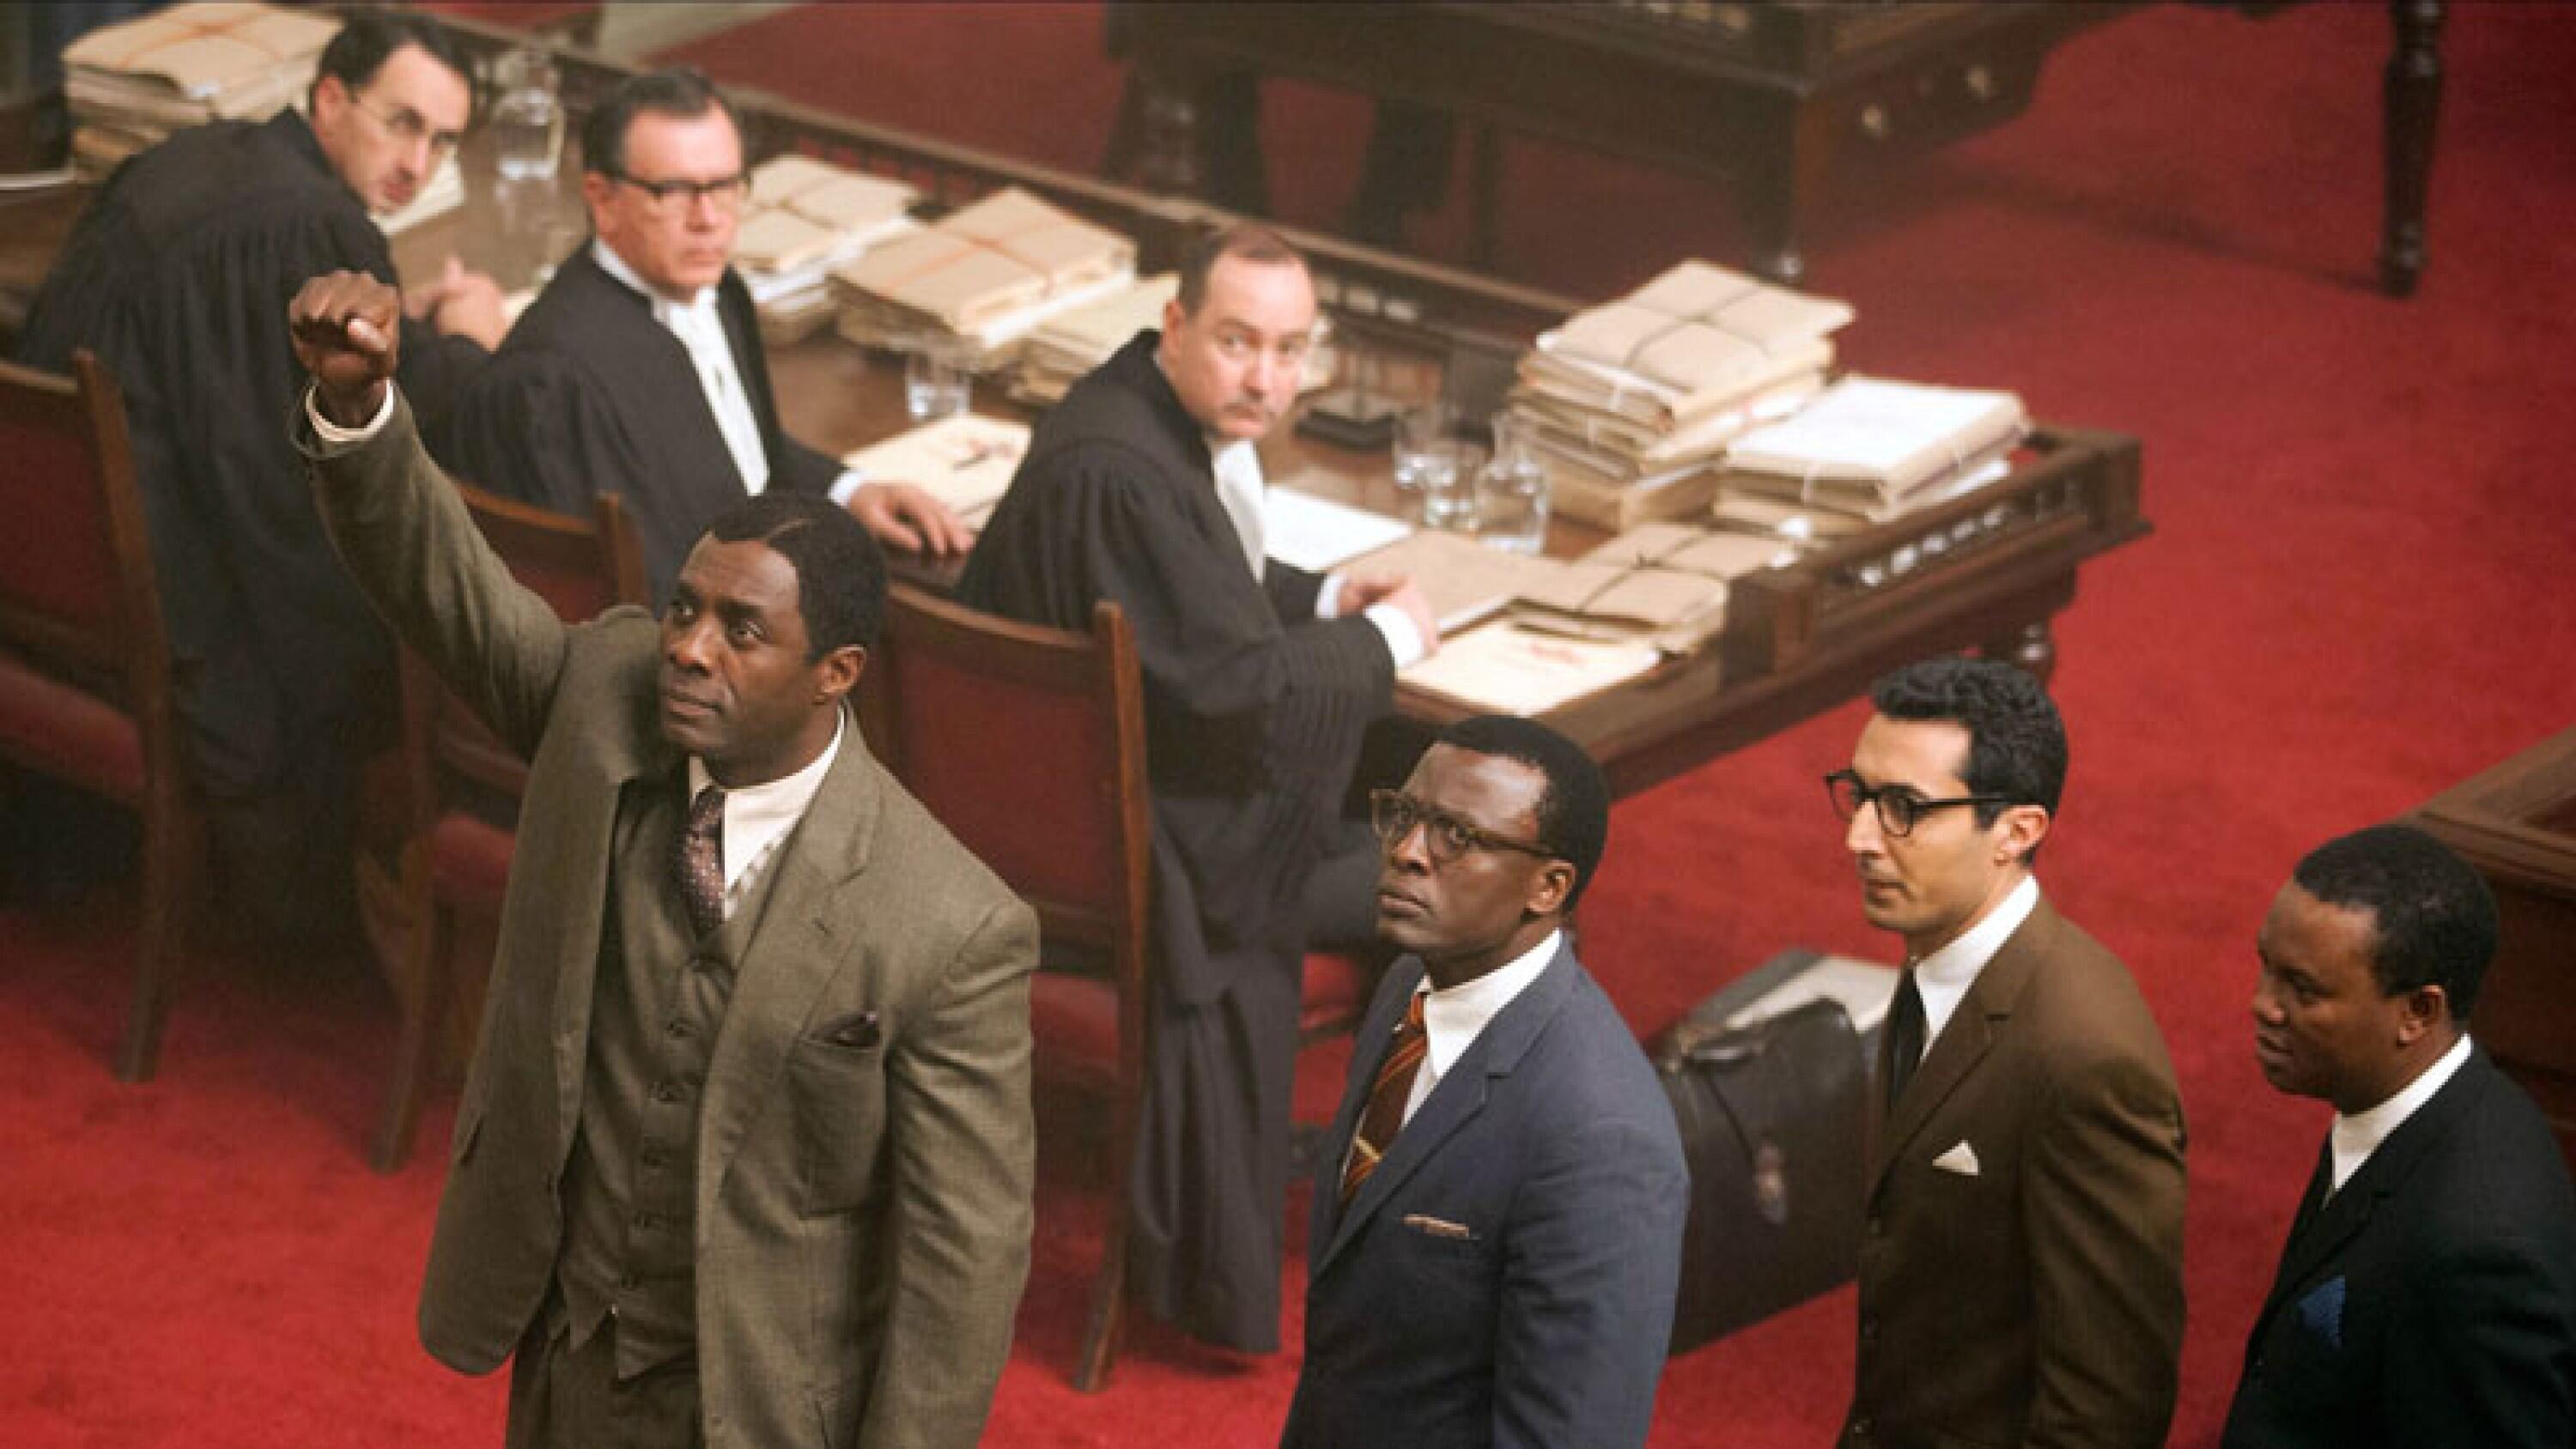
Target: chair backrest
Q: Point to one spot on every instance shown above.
(1028, 743)
(582, 567)
(77, 590)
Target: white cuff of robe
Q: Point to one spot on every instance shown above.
(1403, 641)
(331, 432)
(850, 482)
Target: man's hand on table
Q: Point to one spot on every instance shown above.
(906, 516)
(462, 304)
(347, 331)
(1396, 592)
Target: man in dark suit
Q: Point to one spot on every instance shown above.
(745, 1154)
(639, 371)
(2021, 1265)
(1496, 1235)
(2427, 1295)
(1144, 487)
(173, 277)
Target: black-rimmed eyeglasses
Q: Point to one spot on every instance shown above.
(1899, 807)
(725, 193)
(1394, 814)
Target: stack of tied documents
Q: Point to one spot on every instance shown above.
(804, 218)
(966, 461)
(985, 277)
(130, 86)
(1659, 584)
(1632, 403)
(1868, 450)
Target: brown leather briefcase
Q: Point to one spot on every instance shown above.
(1771, 1124)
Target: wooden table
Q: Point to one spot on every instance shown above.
(1769, 97)
(1987, 571)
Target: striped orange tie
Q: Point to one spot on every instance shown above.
(1385, 1111)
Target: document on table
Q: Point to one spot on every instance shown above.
(1317, 534)
(1512, 669)
(965, 461)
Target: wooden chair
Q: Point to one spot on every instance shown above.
(464, 784)
(1028, 743)
(85, 686)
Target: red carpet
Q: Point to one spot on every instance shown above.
(2359, 591)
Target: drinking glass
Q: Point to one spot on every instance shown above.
(935, 383)
(1512, 492)
(1448, 473)
(1418, 431)
(527, 116)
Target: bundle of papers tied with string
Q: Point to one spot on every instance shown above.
(985, 276)
(129, 86)
(1066, 348)
(1870, 449)
(1632, 403)
(804, 218)
(965, 461)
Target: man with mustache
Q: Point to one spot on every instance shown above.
(1143, 486)
(745, 1154)
(173, 278)
(2427, 1294)
(639, 371)
(2021, 1259)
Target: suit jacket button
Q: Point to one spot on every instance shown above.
(1860, 1427)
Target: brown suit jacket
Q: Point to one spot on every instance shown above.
(863, 1207)
(2037, 1301)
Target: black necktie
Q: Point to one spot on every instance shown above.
(1904, 1037)
(697, 866)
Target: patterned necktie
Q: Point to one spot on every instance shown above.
(1904, 1037)
(697, 866)
(1385, 1110)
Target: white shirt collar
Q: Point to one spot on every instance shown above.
(758, 817)
(1454, 1018)
(664, 307)
(2355, 1137)
(1944, 977)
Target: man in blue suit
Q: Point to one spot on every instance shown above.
(1497, 1229)
(2427, 1295)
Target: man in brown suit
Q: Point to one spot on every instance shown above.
(745, 1154)
(2021, 1265)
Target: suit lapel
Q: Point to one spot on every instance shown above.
(1459, 1097)
(1966, 1038)
(804, 935)
(2321, 1233)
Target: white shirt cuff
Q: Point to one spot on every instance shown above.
(1402, 639)
(331, 432)
(850, 482)
(1328, 599)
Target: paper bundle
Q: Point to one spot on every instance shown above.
(986, 276)
(1064, 349)
(129, 86)
(965, 461)
(804, 218)
(1870, 449)
(1631, 403)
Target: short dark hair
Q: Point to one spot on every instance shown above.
(2436, 918)
(682, 93)
(372, 36)
(1574, 807)
(1248, 240)
(840, 574)
(2016, 741)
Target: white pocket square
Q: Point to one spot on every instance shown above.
(1961, 1159)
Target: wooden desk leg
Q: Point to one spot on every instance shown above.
(2412, 98)
(1787, 169)
(2033, 648)
(1201, 136)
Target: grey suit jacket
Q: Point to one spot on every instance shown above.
(2038, 1299)
(1506, 1275)
(863, 1212)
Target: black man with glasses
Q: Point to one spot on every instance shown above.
(639, 370)
(173, 278)
(2021, 1264)
(1496, 1235)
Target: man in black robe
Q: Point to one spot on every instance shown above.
(1143, 487)
(639, 371)
(175, 277)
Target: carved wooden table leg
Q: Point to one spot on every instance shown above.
(2033, 649)
(2412, 98)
